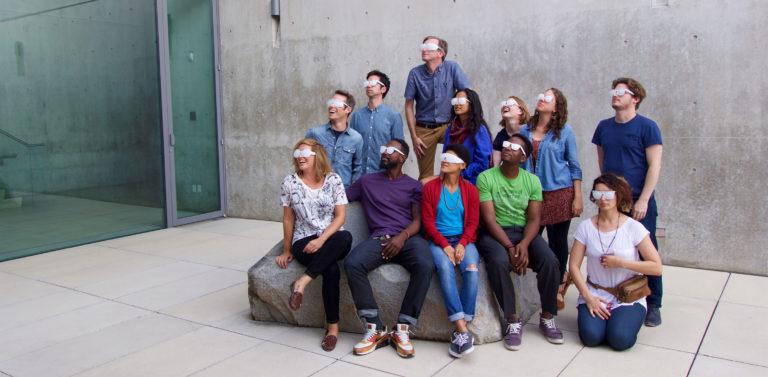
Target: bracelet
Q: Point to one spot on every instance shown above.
(509, 247)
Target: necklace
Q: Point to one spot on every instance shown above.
(445, 200)
(606, 250)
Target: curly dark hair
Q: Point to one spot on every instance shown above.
(620, 186)
(559, 117)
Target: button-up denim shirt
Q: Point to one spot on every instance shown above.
(557, 164)
(345, 153)
(377, 127)
(433, 91)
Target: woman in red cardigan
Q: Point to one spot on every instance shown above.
(450, 211)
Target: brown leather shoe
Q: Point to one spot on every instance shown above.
(295, 301)
(329, 343)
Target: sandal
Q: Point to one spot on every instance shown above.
(328, 343)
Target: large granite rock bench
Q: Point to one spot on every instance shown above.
(268, 291)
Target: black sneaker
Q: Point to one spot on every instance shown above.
(462, 343)
(653, 317)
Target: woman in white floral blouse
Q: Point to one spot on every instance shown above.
(314, 208)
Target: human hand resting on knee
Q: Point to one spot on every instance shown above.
(597, 306)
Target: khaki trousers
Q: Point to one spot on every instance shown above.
(430, 137)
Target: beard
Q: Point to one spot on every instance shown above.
(386, 166)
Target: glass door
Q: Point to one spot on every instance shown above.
(194, 180)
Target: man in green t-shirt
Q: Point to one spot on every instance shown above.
(510, 209)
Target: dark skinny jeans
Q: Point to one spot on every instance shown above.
(557, 238)
(325, 262)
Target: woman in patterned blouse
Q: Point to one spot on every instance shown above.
(314, 207)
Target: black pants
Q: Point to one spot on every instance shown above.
(557, 237)
(540, 259)
(414, 257)
(325, 262)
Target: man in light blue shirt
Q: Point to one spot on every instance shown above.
(377, 123)
(430, 87)
(343, 145)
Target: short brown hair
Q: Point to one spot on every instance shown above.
(633, 85)
(525, 114)
(440, 43)
(620, 186)
(350, 100)
(322, 164)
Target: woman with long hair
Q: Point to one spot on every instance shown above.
(555, 161)
(450, 212)
(467, 127)
(617, 248)
(314, 210)
(514, 114)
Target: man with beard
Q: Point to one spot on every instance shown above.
(391, 203)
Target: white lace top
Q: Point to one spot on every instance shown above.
(313, 207)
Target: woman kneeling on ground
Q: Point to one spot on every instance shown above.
(617, 248)
(450, 212)
(314, 208)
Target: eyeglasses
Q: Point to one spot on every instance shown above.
(429, 47)
(333, 102)
(451, 158)
(607, 195)
(389, 150)
(513, 146)
(509, 103)
(620, 92)
(459, 101)
(298, 153)
(369, 83)
(545, 98)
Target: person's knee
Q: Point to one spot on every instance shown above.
(352, 265)
(332, 272)
(590, 337)
(443, 265)
(621, 341)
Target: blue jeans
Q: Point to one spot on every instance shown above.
(619, 331)
(458, 305)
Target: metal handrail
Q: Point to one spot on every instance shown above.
(22, 142)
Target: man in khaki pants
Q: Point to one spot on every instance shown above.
(430, 87)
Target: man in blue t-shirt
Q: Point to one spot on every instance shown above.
(430, 87)
(629, 145)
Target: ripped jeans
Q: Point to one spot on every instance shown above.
(459, 305)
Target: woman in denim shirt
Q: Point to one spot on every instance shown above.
(468, 128)
(555, 161)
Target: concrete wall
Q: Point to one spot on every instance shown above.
(701, 62)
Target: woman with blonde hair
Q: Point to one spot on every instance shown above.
(314, 209)
(514, 114)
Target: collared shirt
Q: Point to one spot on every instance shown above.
(345, 153)
(433, 91)
(377, 127)
(557, 164)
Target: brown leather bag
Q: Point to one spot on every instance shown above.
(629, 290)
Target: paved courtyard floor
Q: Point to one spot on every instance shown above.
(174, 302)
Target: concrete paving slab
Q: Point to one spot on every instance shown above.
(35, 310)
(93, 349)
(129, 264)
(269, 359)
(308, 339)
(430, 358)
(342, 368)
(125, 284)
(537, 357)
(738, 333)
(223, 250)
(747, 290)
(243, 324)
(694, 283)
(705, 366)
(212, 307)
(184, 290)
(49, 331)
(16, 289)
(640, 361)
(684, 322)
(180, 356)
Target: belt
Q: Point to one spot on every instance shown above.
(430, 126)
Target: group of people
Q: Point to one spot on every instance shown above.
(492, 198)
